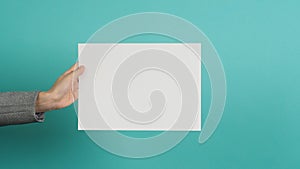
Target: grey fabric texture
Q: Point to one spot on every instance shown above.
(19, 108)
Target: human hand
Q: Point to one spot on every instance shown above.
(63, 93)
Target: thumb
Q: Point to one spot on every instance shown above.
(79, 71)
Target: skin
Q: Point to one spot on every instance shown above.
(63, 92)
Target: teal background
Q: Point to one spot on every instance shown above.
(257, 42)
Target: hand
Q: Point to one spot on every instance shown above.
(63, 93)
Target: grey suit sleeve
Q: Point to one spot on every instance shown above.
(19, 108)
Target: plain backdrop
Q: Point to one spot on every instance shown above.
(258, 43)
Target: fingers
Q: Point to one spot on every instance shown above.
(75, 77)
(72, 68)
(75, 96)
(76, 73)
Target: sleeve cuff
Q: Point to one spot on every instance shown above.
(39, 116)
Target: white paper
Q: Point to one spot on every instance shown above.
(97, 109)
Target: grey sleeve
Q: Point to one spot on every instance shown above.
(19, 108)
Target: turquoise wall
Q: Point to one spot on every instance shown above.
(257, 42)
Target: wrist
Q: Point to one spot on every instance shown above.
(44, 102)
